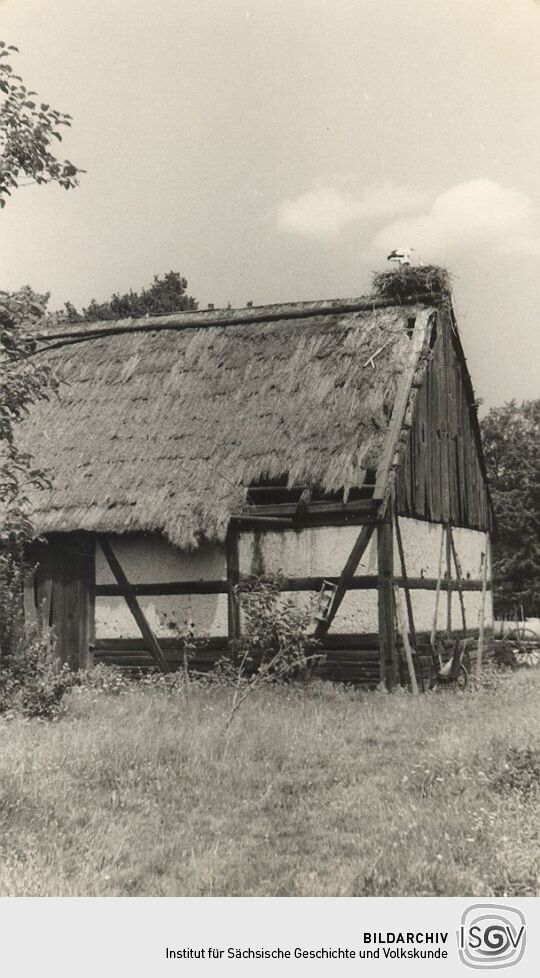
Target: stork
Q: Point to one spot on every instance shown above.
(401, 255)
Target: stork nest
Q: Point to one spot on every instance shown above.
(410, 280)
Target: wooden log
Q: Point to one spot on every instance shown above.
(131, 600)
(353, 560)
(405, 639)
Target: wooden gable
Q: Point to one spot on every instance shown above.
(441, 477)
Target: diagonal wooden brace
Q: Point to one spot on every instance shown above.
(347, 573)
(130, 597)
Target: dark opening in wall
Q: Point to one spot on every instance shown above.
(268, 492)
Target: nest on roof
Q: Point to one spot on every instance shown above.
(411, 280)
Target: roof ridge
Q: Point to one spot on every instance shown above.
(250, 315)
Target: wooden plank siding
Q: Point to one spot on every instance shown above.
(441, 476)
(64, 593)
(347, 658)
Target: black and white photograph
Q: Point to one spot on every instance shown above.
(270, 479)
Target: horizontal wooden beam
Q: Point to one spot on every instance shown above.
(336, 641)
(314, 509)
(168, 587)
(430, 584)
(360, 582)
(253, 522)
(285, 493)
(218, 643)
(310, 520)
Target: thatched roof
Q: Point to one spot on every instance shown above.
(160, 424)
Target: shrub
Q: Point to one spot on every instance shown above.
(520, 772)
(11, 589)
(34, 682)
(277, 632)
(106, 679)
(276, 645)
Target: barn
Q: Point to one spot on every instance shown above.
(332, 444)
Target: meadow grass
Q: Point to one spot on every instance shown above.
(316, 791)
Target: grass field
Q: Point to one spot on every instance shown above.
(321, 791)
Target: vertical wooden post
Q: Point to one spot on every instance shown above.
(437, 596)
(405, 639)
(29, 599)
(481, 623)
(459, 577)
(233, 578)
(87, 600)
(387, 635)
(448, 584)
(41, 558)
(64, 598)
(408, 600)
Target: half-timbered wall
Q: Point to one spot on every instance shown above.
(180, 591)
(422, 548)
(151, 562)
(441, 477)
(306, 557)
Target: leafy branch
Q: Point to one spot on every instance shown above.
(27, 130)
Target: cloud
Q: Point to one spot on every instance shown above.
(326, 211)
(477, 214)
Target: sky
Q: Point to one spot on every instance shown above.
(277, 150)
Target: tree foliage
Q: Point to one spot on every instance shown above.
(511, 436)
(28, 128)
(167, 294)
(25, 379)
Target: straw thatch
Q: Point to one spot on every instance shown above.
(160, 426)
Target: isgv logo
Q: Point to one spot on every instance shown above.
(491, 936)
